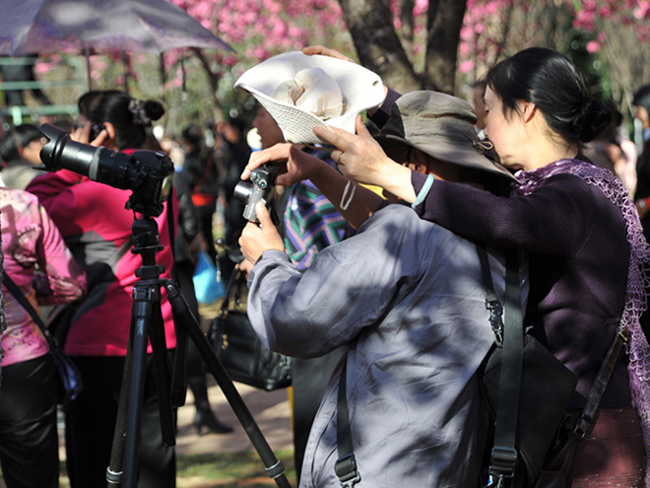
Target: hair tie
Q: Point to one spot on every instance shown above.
(139, 112)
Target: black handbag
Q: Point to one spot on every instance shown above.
(240, 351)
(69, 378)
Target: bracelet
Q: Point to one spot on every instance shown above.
(424, 192)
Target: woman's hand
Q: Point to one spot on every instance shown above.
(325, 51)
(360, 157)
(296, 164)
(255, 239)
(82, 135)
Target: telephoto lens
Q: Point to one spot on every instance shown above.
(147, 173)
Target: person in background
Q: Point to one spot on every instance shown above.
(200, 173)
(231, 153)
(188, 244)
(23, 70)
(610, 150)
(641, 102)
(96, 226)
(20, 149)
(29, 445)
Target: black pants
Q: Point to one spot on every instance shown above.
(29, 445)
(90, 422)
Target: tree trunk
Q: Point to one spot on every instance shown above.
(446, 19)
(379, 49)
(213, 79)
(408, 27)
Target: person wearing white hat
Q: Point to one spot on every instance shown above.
(406, 297)
(310, 222)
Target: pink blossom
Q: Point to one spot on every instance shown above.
(420, 8)
(42, 68)
(229, 60)
(643, 11)
(466, 66)
(492, 7)
(584, 20)
(593, 47)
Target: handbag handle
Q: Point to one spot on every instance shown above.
(233, 291)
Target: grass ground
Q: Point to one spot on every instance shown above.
(227, 470)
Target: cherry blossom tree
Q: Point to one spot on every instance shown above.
(609, 36)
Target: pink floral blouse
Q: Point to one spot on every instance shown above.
(38, 261)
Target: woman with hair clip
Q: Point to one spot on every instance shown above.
(587, 254)
(97, 227)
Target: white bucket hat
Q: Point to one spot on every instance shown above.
(302, 92)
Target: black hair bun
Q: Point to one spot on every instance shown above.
(154, 109)
(593, 120)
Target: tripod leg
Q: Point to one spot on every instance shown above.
(114, 470)
(162, 375)
(142, 312)
(274, 467)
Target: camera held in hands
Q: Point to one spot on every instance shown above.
(257, 190)
(148, 174)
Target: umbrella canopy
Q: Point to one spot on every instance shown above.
(45, 26)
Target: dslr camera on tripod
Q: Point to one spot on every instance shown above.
(147, 174)
(258, 189)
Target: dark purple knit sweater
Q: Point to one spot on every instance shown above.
(576, 240)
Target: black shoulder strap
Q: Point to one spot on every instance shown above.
(510, 333)
(504, 454)
(346, 465)
(22, 299)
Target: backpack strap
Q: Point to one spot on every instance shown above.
(346, 465)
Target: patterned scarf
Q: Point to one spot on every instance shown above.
(637, 274)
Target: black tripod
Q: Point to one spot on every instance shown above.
(147, 323)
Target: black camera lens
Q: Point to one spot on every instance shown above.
(242, 191)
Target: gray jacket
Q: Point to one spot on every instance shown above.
(408, 298)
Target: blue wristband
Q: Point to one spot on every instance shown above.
(424, 192)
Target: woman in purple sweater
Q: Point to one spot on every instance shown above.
(586, 249)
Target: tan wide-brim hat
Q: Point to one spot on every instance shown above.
(347, 87)
(441, 126)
